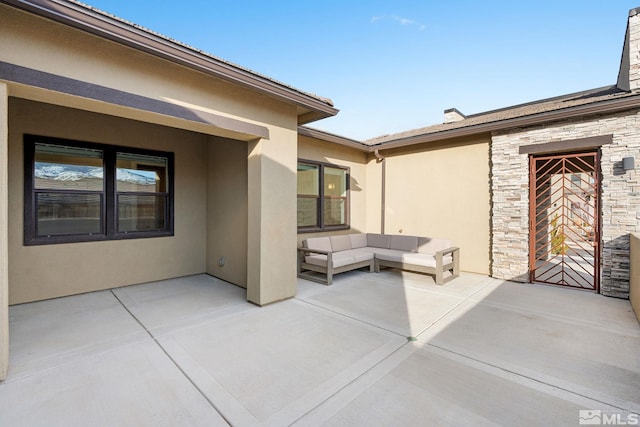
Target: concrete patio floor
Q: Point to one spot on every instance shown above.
(192, 351)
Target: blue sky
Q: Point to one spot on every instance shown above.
(391, 66)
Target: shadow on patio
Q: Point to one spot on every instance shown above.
(192, 351)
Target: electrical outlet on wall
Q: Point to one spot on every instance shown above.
(221, 261)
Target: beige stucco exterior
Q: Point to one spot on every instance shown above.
(227, 210)
(442, 190)
(634, 285)
(374, 198)
(48, 271)
(356, 160)
(4, 231)
(438, 190)
(271, 255)
(40, 44)
(219, 123)
(236, 152)
(236, 143)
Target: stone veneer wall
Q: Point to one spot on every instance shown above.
(620, 195)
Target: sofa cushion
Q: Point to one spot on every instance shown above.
(340, 243)
(431, 245)
(376, 251)
(404, 243)
(358, 240)
(378, 240)
(339, 260)
(370, 250)
(390, 255)
(359, 254)
(425, 260)
(318, 243)
(412, 258)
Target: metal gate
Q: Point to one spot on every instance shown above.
(564, 220)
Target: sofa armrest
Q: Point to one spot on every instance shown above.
(455, 254)
(315, 251)
(303, 251)
(452, 250)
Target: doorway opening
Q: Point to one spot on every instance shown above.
(564, 248)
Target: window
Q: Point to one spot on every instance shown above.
(323, 196)
(77, 192)
(141, 187)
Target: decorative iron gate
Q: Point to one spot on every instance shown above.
(564, 220)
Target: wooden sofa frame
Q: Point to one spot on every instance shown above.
(328, 271)
(438, 270)
(375, 264)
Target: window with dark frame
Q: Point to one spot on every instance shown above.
(78, 191)
(323, 196)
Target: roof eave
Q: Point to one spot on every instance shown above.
(101, 25)
(330, 137)
(602, 107)
(312, 116)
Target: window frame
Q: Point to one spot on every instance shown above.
(320, 223)
(109, 207)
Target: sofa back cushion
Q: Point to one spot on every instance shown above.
(318, 243)
(378, 240)
(404, 243)
(358, 240)
(340, 243)
(431, 245)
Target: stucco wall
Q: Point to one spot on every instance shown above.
(441, 191)
(431, 190)
(40, 272)
(271, 254)
(620, 196)
(227, 210)
(634, 283)
(37, 43)
(374, 195)
(314, 149)
(4, 230)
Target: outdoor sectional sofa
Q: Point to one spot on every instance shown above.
(330, 255)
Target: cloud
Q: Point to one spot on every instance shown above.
(400, 20)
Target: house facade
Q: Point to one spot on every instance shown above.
(83, 92)
(503, 185)
(126, 157)
(485, 194)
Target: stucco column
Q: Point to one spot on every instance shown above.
(4, 231)
(272, 228)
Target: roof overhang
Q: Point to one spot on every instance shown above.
(330, 137)
(603, 107)
(39, 86)
(310, 108)
(598, 108)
